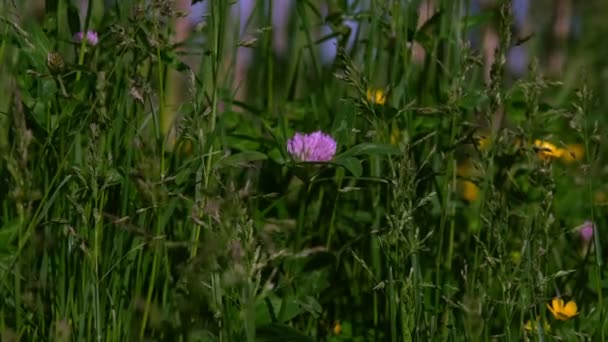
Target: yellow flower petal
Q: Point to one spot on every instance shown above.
(573, 153)
(558, 304)
(547, 150)
(555, 314)
(376, 96)
(337, 328)
(570, 309)
(561, 312)
(470, 191)
(482, 141)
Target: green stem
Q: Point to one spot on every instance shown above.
(332, 226)
(217, 9)
(162, 113)
(302, 215)
(83, 42)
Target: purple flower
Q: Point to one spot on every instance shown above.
(91, 37)
(585, 231)
(313, 147)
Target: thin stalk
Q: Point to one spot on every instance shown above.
(596, 236)
(270, 60)
(332, 226)
(84, 41)
(302, 215)
(155, 262)
(217, 9)
(392, 304)
(162, 113)
(444, 215)
(309, 41)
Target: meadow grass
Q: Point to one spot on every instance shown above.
(144, 195)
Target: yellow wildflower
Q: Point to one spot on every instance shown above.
(469, 190)
(562, 312)
(376, 96)
(547, 151)
(337, 328)
(466, 188)
(572, 153)
(482, 141)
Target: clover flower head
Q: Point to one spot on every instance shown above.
(313, 147)
(585, 231)
(91, 37)
(55, 62)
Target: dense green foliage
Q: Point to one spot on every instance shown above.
(142, 199)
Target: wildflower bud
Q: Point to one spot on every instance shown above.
(376, 96)
(55, 62)
(337, 328)
(586, 231)
(90, 37)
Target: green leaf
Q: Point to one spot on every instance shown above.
(371, 149)
(292, 309)
(343, 124)
(432, 24)
(478, 20)
(353, 165)
(97, 14)
(241, 158)
(73, 18)
(183, 176)
(202, 336)
(276, 156)
(7, 234)
(280, 333)
(170, 58)
(39, 114)
(472, 100)
(48, 88)
(310, 305)
(319, 261)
